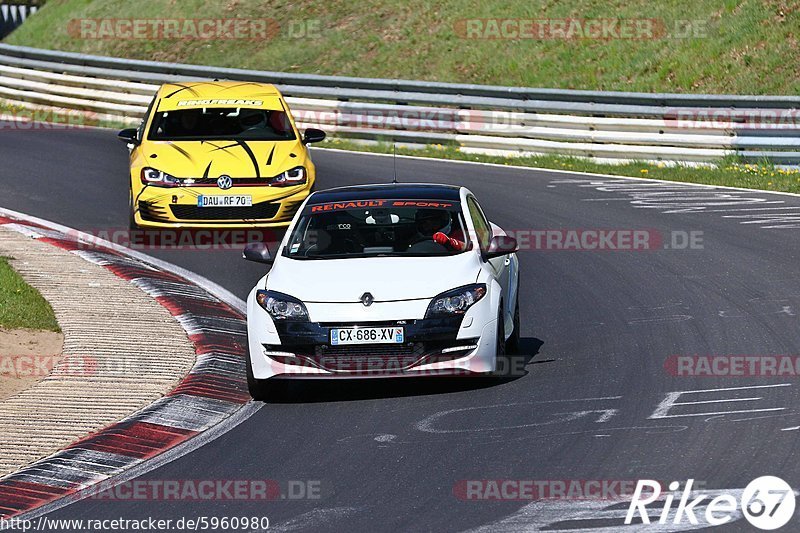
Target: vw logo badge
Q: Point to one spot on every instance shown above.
(224, 182)
(367, 299)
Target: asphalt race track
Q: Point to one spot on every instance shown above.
(600, 324)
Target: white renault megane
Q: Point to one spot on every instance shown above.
(384, 280)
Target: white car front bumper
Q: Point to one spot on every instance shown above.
(305, 354)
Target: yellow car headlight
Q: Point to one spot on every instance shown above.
(295, 176)
(152, 176)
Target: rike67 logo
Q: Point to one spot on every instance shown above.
(767, 503)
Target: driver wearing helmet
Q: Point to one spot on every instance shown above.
(182, 123)
(433, 226)
(252, 119)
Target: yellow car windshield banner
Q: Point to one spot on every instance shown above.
(270, 103)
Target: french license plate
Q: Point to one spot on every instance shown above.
(367, 336)
(225, 201)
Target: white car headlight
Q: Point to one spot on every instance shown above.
(281, 306)
(456, 301)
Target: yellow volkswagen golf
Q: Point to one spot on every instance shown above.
(218, 153)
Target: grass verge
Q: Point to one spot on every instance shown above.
(729, 172)
(715, 46)
(22, 305)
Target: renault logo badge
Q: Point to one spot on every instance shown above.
(367, 299)
(224, 182)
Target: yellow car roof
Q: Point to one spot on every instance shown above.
(218, 94)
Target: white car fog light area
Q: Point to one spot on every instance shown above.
(273, 353)
(460, 348)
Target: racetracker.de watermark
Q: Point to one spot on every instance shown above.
(544, 489)
(729, 119)
(203, 240)
(494, 122)
(574, 29)
(39, 366)
(47, 119)
(528, 239)
(204, 490)
(602, 240)
(22, 366)
(191, 29)
(379, 365)
(749, 366)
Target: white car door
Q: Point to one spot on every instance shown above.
(499, 266)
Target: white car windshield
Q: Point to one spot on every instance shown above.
(378, 228)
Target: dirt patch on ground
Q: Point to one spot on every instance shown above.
(26, 357)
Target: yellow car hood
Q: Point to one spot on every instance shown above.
(238, 159)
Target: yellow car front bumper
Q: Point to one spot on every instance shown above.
(160, 207)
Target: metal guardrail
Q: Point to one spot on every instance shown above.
(615, 126)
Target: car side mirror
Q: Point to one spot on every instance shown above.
(257, 252)
(128, 136)
(501, 245)
(313, 135)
